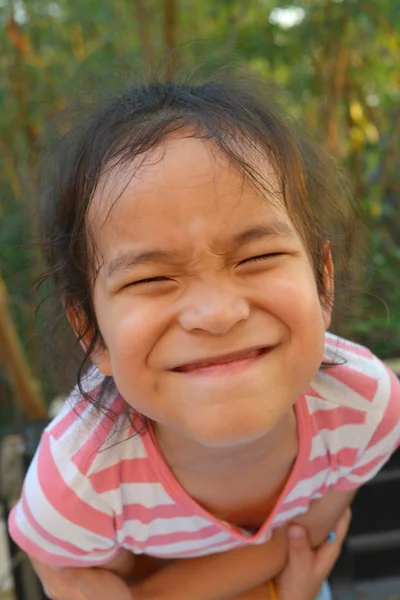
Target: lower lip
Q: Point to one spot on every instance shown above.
(227, 368)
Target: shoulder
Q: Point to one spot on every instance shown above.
(70, 501)
(354, 408)
(86, 448)
(90, 424)
(352, 377)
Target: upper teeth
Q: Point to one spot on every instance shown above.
(222, 361)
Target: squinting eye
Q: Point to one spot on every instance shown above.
(147, 281)
(261, 257)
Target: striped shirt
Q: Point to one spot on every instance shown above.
(96, 484)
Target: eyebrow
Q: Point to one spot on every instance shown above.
(126, 260)
(129, 259)
(273, 229)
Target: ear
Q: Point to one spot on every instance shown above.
(328, 281)
(99, 355)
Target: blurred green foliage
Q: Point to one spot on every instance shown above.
(338, 59)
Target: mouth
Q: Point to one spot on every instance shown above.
(223, 362)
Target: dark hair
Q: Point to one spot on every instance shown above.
(232, 112)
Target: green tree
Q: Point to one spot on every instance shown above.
(338, 59)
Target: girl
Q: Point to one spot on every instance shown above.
(191, 233)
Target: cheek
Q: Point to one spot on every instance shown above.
(127, 335)
(131, 330)
(295, 303)
(293, 295)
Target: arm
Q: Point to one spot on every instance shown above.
(217, 576)
(307, 569)
(213, 577)
(250, 567)
(205, 578)
(300, 579)
(323, 514)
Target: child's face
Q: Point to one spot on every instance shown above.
(180, 290)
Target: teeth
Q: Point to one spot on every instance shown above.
(203, 365)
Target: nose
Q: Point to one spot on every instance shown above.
(213, 309)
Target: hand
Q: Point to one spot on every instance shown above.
(81, 583)
(306, 569)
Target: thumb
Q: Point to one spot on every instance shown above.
(300, 551)
(298, 539)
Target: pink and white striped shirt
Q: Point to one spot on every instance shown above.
(95, 486)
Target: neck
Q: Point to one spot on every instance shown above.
(184, 454)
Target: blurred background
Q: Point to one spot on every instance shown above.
(339, 60)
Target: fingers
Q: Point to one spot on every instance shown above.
(297, 580)
(343, 525)
(328, 553)
(306, 569)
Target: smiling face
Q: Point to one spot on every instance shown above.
(206, 298)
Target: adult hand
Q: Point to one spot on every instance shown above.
(307, 569)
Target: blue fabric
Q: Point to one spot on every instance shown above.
(325, 592)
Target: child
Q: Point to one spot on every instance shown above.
(191, 235)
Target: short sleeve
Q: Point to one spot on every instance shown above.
(382, 425)
(59, 520)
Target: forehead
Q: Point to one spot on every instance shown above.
(182, 184)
